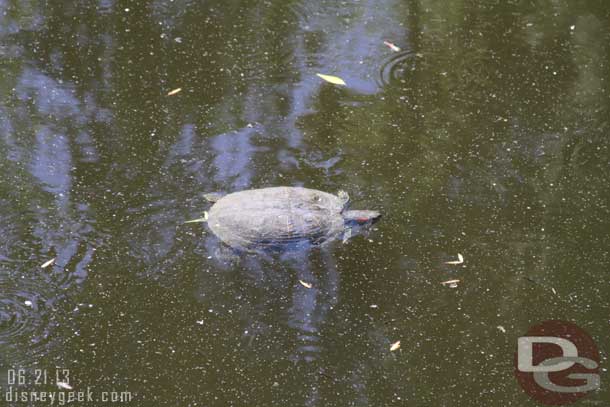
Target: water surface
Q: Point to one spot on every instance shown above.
(485, 135)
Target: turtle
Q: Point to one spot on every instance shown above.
(284, 218)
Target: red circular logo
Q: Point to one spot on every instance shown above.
(557, 363)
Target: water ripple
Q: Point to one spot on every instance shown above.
(25, 317)
(394, 67)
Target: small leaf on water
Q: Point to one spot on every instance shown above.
(305, 284)
(204, 219)
(63, 385)
(395, 346)
(392, 46)
(173, 92)
(460, 260)
(450, 283)
(48, 263)
(332, 79)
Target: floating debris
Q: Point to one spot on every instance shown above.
(199, 322)
(64, 385)
(204, 219)
(460, 260)
(373, 306)
(305, 284)
(392, 46)
(450, 283)
(395, 346)
(28, 303)
(48, 263)
(335, 80)
(173, 92)
(501, 329)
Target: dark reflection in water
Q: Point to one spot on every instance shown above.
(486, 135)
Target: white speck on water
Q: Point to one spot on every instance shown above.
(28, 303)
(572, 27)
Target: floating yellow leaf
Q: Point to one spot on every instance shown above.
(204, 219)
(395, 346)
(305, 284)
(392, 46)
(332, 79)
(48, 263)
(173, 92)
(460, 260)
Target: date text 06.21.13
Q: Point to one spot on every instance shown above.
(38, 376)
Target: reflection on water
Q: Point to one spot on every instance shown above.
(484, 136)
(43, 215)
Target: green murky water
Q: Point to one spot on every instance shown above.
(485, 135)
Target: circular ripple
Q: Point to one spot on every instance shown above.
(24, 319)
(394, 67)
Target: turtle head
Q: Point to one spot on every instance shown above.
(361, 218)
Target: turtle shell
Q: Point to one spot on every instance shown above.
(277, 217)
